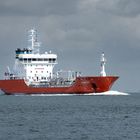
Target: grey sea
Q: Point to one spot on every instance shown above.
(70, 117)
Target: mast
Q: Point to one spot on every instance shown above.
(103, 62)
(34, 45)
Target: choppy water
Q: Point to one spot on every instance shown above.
(70, 117)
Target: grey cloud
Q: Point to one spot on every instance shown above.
(37, 8)
(124, 8)
(128, 8)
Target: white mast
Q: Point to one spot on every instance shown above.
(34, 45)
(103, 62)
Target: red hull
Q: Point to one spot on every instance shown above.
(82, 85)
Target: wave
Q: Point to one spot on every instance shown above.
(111, 93)
(88, 94)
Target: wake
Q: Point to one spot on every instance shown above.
(87, 94)
(111, 93)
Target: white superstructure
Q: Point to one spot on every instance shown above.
(33, 66)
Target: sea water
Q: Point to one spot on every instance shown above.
(70, 117)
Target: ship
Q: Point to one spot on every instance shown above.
(33, 73)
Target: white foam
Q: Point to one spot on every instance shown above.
(102, 93)
(111, 93)
(52, 94)
(87, 94)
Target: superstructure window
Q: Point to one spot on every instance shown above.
(20, 59)
(52, 60)
(45, 59)
(33, 59)
(25, 59)
(39, 59)
(29, 60)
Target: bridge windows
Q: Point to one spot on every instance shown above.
(49, 60)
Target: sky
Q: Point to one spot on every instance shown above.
(78, 31)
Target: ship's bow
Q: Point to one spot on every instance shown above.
(102, 84)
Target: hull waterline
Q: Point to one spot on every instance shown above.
(82, 85)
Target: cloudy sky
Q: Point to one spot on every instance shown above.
(78, 31)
